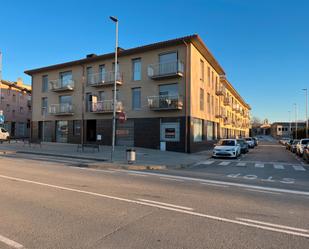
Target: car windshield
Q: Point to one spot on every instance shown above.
(305, 141)
(241, 142)
(248, 139)
(227, 143)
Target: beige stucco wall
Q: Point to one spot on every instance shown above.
(149, 87)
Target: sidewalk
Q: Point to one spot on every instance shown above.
(144, 157)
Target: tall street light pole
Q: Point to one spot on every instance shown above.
(115, 20)
(290, 124)
(295, 105)
(306, 91)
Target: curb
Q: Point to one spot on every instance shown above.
(126, 166)
(61, 155)
(7, 152)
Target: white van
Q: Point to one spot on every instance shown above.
(4, 135)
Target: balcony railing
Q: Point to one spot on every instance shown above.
(220, 91)
(226, 101)
(61, 109)
(104, 79)
(159, 103)
(166, 70)
(59, 85)
(105, 106)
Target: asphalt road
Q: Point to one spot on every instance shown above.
(44, 204)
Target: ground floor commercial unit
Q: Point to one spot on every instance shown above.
(17, 130)
(167, 133)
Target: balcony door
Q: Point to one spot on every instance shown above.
(66, 78)
(168, 94)
(168, 63)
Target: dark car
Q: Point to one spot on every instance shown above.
(256, 141)
(294, 145)
(288, 145)
(306, 154)
(244, 147)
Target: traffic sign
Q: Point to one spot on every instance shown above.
(122, 117)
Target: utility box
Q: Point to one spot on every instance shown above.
(131, 156)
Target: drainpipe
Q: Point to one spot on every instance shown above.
(186, 95)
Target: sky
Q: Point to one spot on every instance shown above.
(262, 45)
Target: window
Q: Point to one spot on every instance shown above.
(44, 83)
(90, 75)
(212, 104)
(7, 107)
(136, 68)
(66, 78)
(210, 130)
(168, 90)
(76, 127)
(21, 109)
(208, 76)
(202, 70)
(208, 103)
(136, 98)
(65, 99)
(62, 131)
(102, 73)
(212, 80)
(197, 130)
(201, 99)
(102, 95)
(44, 106)
(167, 63)
(14, 98)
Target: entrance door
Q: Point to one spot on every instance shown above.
(91, 130)
(13, 129)
(125, 133)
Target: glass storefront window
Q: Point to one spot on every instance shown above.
(62, 131)
(197, 130)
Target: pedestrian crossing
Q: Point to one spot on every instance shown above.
(257, 165)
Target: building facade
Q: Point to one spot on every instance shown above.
(15, 102)
(174, 94)
(285, 129)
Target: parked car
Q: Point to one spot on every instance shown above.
(256, 141)
(301, 145)
(4, 135)
(294, 145)
(306, 153)
(244, 147)
(289, 144)
(227, 148)
(250, 142)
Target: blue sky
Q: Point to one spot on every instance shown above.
(262, 45)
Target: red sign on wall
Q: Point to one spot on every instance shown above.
(122, 117)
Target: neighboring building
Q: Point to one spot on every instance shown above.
(173, 92)
(15, 102)
(285, 129)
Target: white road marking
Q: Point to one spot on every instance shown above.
(299, 168)
(166, 204)
(274, 225)
(278, 166)
(215, 185)
(259, 165)
(134, 174)
(171, 179)
(207, 162)
(262, 191)
(241, 164)
(224, 163)
(306, 235)
(241, 185)
(11, 243)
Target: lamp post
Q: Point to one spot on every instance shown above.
(115, 20)
(290, 124)
(295, 105)
(306, 91)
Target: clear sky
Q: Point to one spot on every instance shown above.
(262, 45)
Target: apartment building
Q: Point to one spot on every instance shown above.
(174, 93)
(15, 102)
(285, 129)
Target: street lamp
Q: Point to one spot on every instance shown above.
(115, 20)
(290, 124)
(306, 91)
(295, 105)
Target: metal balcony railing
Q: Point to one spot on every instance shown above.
(166, 70)
(105, 106)
(60, 85)
(61, 109)
(226, 101)
(104, 79)
(169, 102)
(220, 91)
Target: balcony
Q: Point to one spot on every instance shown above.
(105, 107)
(166, 70)
(227, 101)
(61, 86)
(220, 91)
(220, 116)
(104, 79)
(162, 103)
(61, 109)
